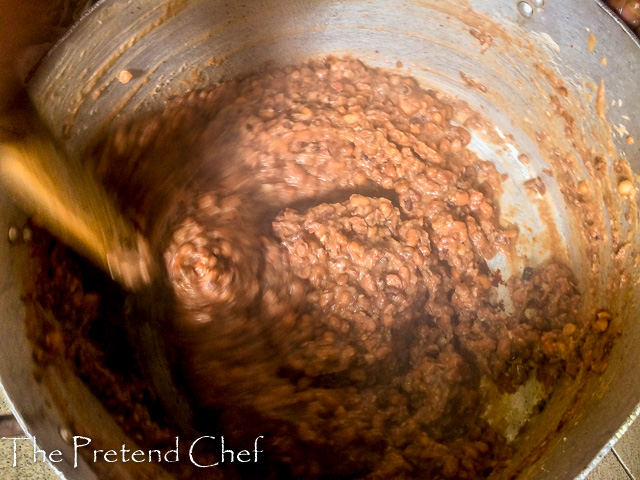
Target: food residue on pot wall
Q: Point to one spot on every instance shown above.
(591, 45)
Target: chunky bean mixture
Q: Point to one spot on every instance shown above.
(328, 255)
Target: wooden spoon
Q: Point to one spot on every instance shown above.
(67, 199)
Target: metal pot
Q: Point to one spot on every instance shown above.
(534, 69)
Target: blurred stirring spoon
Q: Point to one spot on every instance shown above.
(67, 200)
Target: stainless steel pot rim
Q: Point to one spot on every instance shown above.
(611, 443)
(612, 14)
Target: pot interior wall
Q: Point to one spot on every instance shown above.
(170, 47)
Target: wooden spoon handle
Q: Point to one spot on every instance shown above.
(68, 200)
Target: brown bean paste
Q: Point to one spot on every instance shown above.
(329, 258)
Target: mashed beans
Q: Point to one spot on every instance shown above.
(328, 254)
(356, 325)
